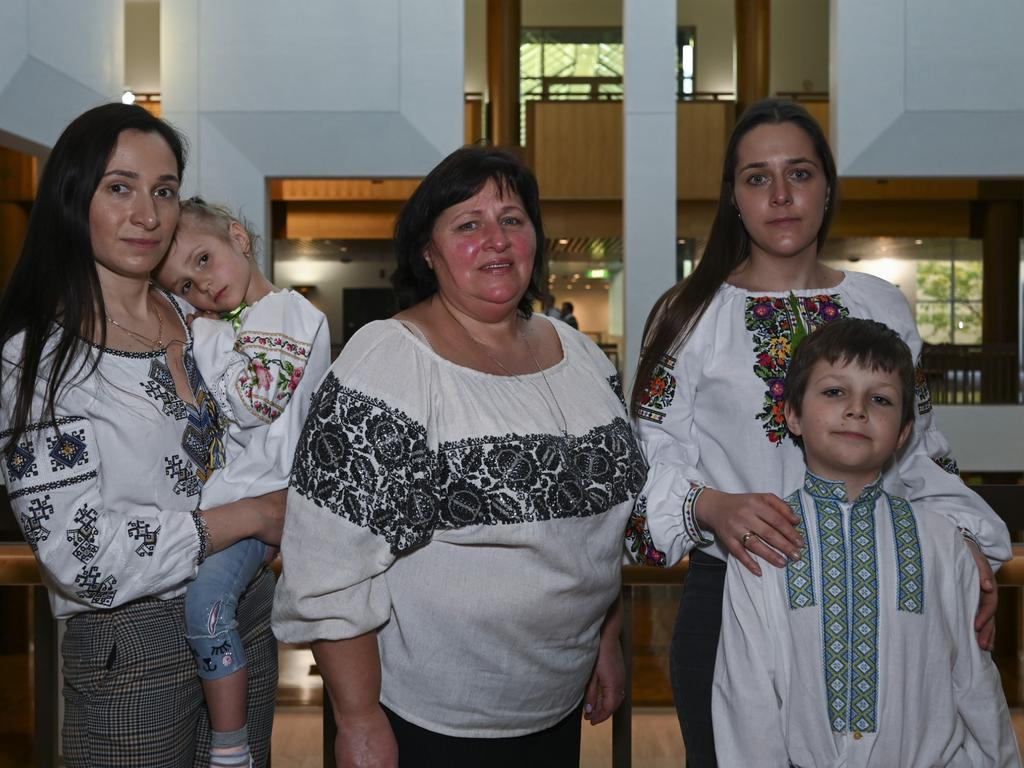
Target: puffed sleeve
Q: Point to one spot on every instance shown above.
(255, 370)
(745, 712)
(89, 554)
(926, 465)
(290, 361)
(976, 683)
(362, 493)
(659, 532)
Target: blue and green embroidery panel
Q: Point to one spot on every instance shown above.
(849, 590)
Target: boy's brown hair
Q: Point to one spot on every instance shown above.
(867, 343)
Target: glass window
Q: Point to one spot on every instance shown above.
(586, 64)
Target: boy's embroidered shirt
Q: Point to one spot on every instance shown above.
(104, 493)
(263, 373)
(862, 653)
(712, 414)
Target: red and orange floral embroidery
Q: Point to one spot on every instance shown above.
(660, 391)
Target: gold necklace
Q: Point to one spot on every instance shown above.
(155, 344)
(533, 357)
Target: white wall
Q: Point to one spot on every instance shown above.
(927, 87)
(319, 88)
(57, 59)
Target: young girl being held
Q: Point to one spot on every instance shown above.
(262, 362)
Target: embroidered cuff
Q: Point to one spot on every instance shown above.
(204, 535)
(693, 530)
(968, 536)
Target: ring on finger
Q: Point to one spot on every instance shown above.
(747, 537)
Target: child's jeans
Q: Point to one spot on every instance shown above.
(210, 603)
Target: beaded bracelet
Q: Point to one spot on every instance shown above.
(204, 535)
(693, 529)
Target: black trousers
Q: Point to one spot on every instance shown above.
(554, 747)
(692, 658)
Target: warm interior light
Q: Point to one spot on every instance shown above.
(305, 290)
(127, 97)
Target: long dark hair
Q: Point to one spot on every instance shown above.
(457, 178)
(677, 312)
(55, 279)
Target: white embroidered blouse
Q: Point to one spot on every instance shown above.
(863, 653)
(444, 507)
(262, 375)
(104, 494)
(712, 414)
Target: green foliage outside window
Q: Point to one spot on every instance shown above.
(949, 301)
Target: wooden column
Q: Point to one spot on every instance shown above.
(1000, 227)
(17, 190)
(753, 47)
(503, 25)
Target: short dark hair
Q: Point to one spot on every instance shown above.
(568, 306)
(457, 178)
(867, 343)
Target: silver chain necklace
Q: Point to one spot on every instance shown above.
(517, 377)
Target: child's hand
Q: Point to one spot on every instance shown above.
(208, 315)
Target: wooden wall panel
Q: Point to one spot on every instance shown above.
(333, 221)
(342, 189)
(575, 148)
(702, 131)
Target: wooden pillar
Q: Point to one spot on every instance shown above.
(1000, 225)
(17, 190)
(503, 25)
(753, 48)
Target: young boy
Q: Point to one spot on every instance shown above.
(862, 653)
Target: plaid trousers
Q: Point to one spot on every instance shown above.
(131, 694)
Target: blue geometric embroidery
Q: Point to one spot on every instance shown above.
(95, 591)
(850, 610)
(39, 511)
(21, 461)
(909, 562)
(160, 387)
(84, 537)
(864, 615)
(139, 529)
(203, 439)
(834, 611)
(799, 574)
(67, 450)
(820, 488)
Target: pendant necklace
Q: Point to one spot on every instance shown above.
(155, 344)
(499, 364)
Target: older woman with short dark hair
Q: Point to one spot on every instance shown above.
(453, 542)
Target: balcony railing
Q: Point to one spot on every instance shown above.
(972, 374)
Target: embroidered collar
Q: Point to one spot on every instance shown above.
(835, 490)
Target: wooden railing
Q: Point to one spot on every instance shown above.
(970, 374)
(18, 567)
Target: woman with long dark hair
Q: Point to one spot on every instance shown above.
(709, 395)
(108, 435)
